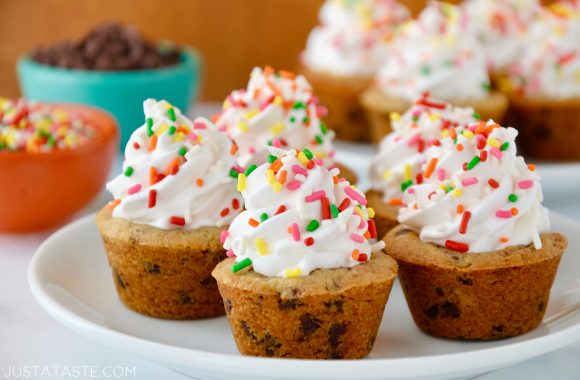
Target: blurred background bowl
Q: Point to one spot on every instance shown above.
(46, 189)
(120, 92)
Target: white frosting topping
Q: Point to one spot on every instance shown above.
(435, 53)
(502, 27)
(299, 217)
(351, 37)
(176, 172)
(550, 64)
(276, 109)
(480, 196)
(402, 152)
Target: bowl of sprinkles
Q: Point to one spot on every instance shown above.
(55, 159)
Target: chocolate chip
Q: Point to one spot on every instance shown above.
(184, 298)
(208, 281)
(247, 330)
(465, 280)
(120, 281)
(402, 231)
(308, 324)
(498, 328)
(296, 292)
(152, 268)
(450, 309)
(228, 305)
(271, 345)
(334, 334)
(433, 311)
(541, 307)
(439, 291)
(291, 303)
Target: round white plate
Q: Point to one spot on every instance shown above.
(71, 280)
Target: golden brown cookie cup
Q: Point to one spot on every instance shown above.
(329, 314)
(163, 274)
(341, 95)
(378, 107)
(549, 129)
(385, 214)
(475, 296)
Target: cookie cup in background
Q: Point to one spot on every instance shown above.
(475, 296)
(379, 108)
(329, 314)
(160, 273)
(385, 213)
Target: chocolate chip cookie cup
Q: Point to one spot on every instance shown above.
(475, 296)
(329, 314)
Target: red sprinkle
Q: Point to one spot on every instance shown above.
(280, 210)
(483, 155)
(152, 198)
(225, 212)
(493, 183)
(177, 220)
(345, 203)
(136, 145)
(464, 222)
(325, 206)
(235, 203)
(464, 166)
(309, 241)
(362, 257)
(456, 246)
(372, 228)
(419, 178)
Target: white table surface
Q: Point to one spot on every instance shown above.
(29, 337)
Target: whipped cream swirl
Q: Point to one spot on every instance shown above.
(351, 38)
(435, 53)
(176, 173)
(299, 217)
(402, 152)
(279, 110)
(477, 195)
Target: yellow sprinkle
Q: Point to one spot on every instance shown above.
(387, 174)
(359, 212)
(241, 182)
(185, 128)
(70, 141)
(493, 142)
(226, 104)
(467, 134)
(434, 117)
(199, 139)
(251, 113)
(294, 272)
(262, 246)
(271, 176)
(320, 154)
(395, 116)
(371, 212)
(407, 172)
(277, 128)
(457, 193)
(163, 128)
(302, 157)
(179, 137)
(505, 85)
(277, 101)
(242, 126)
(168, 106)
(277, 186)
(445, 133)
(60, 115)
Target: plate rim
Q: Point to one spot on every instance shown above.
(470, 361)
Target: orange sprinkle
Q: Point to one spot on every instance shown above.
(199, 182)
(335, 179)
(514, 211)
(459, 147)
(114, 203)
(214, 118)
(153, 143)
(367, 235)
(355, 254)
(183, 129)
(276, 165)
(282, 176)
(415, 206)
(452, 133)
(173, 167)
(268, 70)
(272, 86)
(253, 222)
(256, 93)
(395, 201)
(287, 74)
(430, 167)
(152, 175)
(460, 209)
(532, 167)
(490, 128)
(233, 148)
(503, 239)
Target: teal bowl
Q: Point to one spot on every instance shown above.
(120, 92)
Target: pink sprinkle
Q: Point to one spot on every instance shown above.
(441, 174)
(496, 153)
(293, 185)
(469, 181)
(224, 235)
(134, 189)
(299, 170)
(319, 162)
(239, 169)
(295, 232)
(525, 184)
(266, 102)
(355, 196)
(362, 224)
(192, 137)
(505, 214)
(414, 140)
(357, 238)
(410, 190)
(251, 150)
(315, 196)
(321, 111)
(276, 142)
(230, 253)
(198, 125)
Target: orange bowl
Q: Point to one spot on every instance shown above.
(43, 190)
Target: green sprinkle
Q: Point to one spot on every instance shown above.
(448, 62)
(2, 146)
(308, 154)
(476, 116)
(313, 225)
(129, 171)
(305, 120)
(263, 217)
(406, 184)
(333, 210)
(49, 142)
(323, 128)
(171, 113)
(182, 151)
(448, 189)
(473, 163)
(241, 264)
(172, 130)
(234, 173)
(425, 70)
(149, 127)
(504, 146)
(513, 198)
(415, 118)
(298, 105)
(318, 139)
(486, 86)
(250, 169)
(292, 119)
(455, 141)
(272, 158)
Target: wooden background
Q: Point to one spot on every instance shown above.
(232, 35)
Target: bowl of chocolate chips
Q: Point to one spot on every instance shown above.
(112, 67)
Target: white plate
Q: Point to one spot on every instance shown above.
(70, 278)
